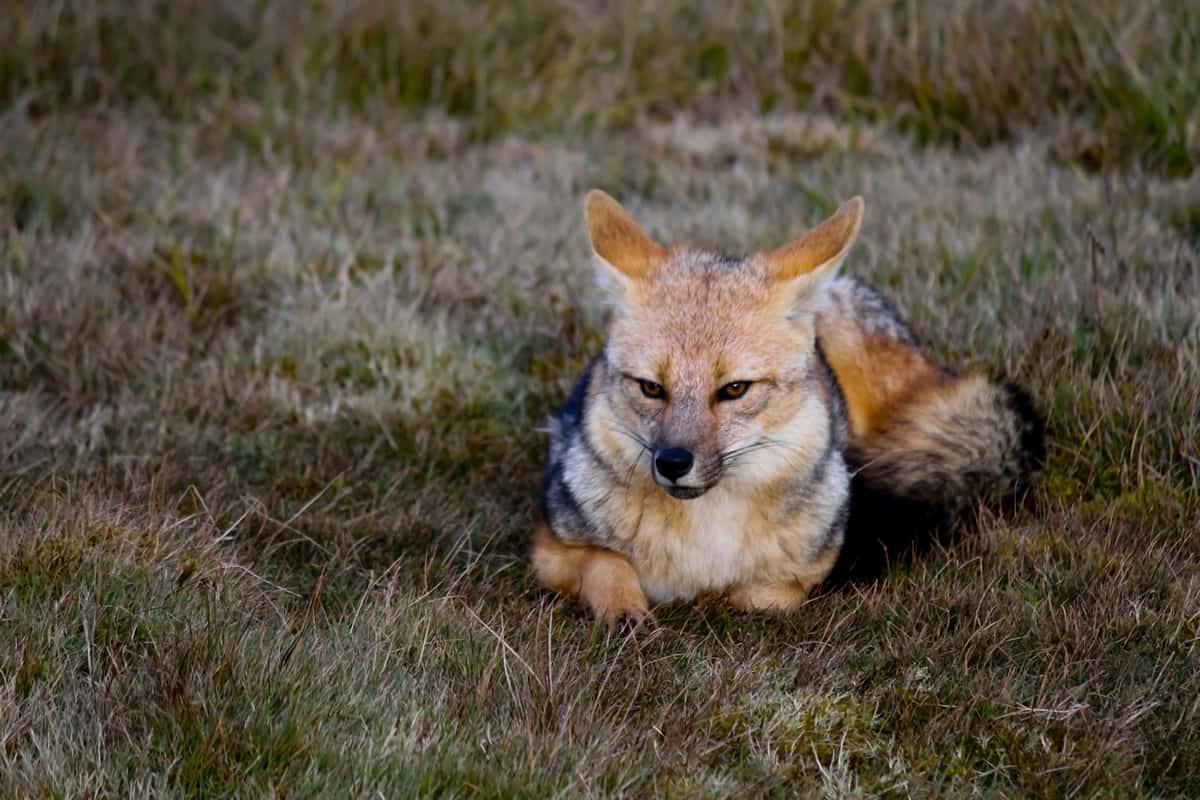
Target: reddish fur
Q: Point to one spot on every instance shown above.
(876, 375)
(617, 239)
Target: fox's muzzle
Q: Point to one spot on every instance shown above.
(671, 464)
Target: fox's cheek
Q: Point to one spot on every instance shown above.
(647, 414)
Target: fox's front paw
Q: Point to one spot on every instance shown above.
(610, 588)
(625, 620)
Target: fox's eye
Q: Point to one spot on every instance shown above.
(732, 391)
(651, 389)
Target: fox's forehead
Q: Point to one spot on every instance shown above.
(704, 318)
(696, 287)
(697, 276)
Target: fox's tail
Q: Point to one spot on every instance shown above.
(956, 443)
(940, 453)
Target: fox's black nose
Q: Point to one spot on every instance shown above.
(673, 462)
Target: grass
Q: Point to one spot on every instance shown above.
(1114, 79)
(284, 299)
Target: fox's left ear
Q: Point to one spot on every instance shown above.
(801, 267)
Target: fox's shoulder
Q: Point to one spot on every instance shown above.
(568, 419)
(873, 353)
(575, 466)
(849, 302)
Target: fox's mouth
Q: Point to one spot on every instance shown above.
(685, 492)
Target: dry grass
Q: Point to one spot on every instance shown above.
(272, 365)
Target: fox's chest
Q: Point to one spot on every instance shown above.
(679, 553)
(682, 548)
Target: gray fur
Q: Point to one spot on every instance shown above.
(850, 298)
(989, 446)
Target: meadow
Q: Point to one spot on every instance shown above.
(289, 289)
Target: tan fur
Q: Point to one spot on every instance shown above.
(914, 422)
(706, 451)
(731, 534)
(617, 239)
(601, 579)
(823, 246)
(759, 509)
(678, 345)
(991, 456)
(782, 597)
(692, 324)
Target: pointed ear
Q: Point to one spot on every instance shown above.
(807, 262)
(617, 241)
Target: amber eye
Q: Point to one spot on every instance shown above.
(732, 391)
(652, 390)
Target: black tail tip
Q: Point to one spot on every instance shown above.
(1031, 430)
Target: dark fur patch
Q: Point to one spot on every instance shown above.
(834, 536)
(839, 425)
(883, 529)
(808, 487)
(560, 507)
(570, 413)
(1032, 455)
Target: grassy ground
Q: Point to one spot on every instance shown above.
(286, 295)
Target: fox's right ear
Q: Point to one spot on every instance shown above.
(617, 242)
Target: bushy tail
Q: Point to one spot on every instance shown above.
(954, 444)
(943, 451)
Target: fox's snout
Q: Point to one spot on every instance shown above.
(675, 470)
(673, 462)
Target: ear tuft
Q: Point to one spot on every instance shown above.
(617, 240)
(820, 250)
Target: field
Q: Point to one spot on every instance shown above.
(287, 291)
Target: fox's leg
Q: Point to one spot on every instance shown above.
(784, 596)
(603, 580)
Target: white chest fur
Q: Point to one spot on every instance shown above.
(682, 548)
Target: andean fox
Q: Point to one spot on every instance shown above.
(717, 443)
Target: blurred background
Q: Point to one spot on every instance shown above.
(1115, 80)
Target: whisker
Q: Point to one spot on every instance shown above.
(730, 458)
(634, 437)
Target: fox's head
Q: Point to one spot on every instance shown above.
(709, 363)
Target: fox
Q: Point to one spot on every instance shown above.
(742, 414)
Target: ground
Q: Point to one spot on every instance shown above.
(277, 349)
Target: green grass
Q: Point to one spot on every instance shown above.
(285, 298)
